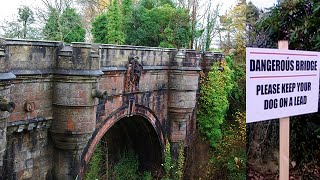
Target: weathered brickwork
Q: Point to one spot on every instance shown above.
(28, 155)
(66, 98)
(36, 92)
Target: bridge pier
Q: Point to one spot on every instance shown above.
(183, 86)
(74, 107)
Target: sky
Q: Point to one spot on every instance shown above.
(261, 4)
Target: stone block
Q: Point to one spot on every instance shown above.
(29, 163)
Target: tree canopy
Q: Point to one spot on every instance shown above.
(297, 21)
(148, 23)
(66, 26)
(22, 26)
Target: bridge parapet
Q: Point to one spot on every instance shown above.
(117, 55)
(208, 58)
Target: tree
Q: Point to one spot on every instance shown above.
(26, 18)
(89, 10)
(212, 25)
(149, 23)
(253, 14)
(115, 34)
(22, 26)
(52, 29)
(127, 12)
(99, 30)
(164, 26)
(65, 27)
(233, 25)
(71, 26)
(297, 21)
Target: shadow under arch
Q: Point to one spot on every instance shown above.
(121, 114)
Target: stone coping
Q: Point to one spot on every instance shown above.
(28, 42)
(7, 76)
(58, 72)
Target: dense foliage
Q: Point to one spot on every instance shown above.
(221, 93)
(99, 29)
(115, 28)
(95, 164)
(229, 158)
(213, 101)
(148, 23)
(125, 168)
(65, 27)
(297, 21)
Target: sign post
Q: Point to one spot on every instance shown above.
(284, 135)
(281, 83)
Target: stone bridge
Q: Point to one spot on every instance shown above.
(57, 101)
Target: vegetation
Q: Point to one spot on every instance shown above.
(65, 27)
(229, 160)
(295, 21)
(95, 164)
(145, 24)
(174, 169)
(125, 168)
(22, 27)
(99, 29)
(115, 28)
(213, 101)
(219, 91)
(233, 24)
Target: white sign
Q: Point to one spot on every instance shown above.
(281, 83)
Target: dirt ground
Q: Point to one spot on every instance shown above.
(309, 171)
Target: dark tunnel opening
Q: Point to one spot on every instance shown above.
(135, 134)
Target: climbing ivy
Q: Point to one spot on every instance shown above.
(174, 169)
(167, 160)
(213, 101)
(180, 162)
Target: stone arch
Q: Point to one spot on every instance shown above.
(112, 119)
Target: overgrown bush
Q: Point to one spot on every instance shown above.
(127, 167)
(229, 158)
(222, 93)
(213, 101)
(237, 98)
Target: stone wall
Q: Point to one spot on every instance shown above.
(28, 155)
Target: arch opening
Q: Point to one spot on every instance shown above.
(134, 134)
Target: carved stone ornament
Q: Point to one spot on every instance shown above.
(5, 105)
(29, 106)
(134, 70)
